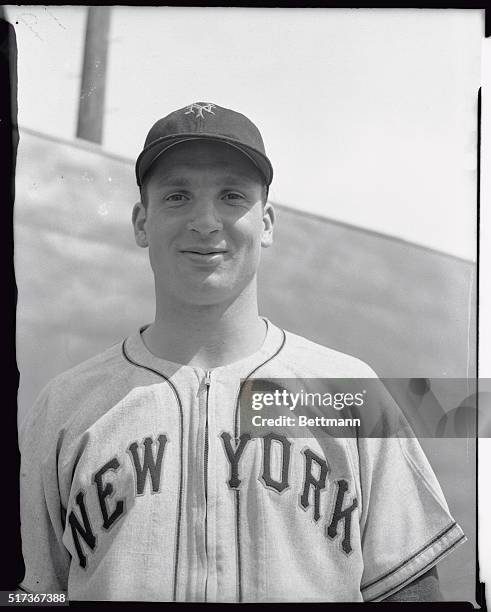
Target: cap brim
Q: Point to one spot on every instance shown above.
(149, 155)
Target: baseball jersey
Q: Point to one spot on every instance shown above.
(137, 484)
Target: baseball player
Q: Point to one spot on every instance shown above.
(137, 482)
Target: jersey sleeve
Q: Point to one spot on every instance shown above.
(424, 588)
(41, 513)
(406, 526)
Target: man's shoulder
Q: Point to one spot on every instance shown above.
(65, 394)
(309, 358)
(102, 366)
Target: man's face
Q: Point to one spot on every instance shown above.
(204, 220)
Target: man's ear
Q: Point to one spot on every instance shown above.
(139, 218)
(268, 223)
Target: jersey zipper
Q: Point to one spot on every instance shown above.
(205, 474)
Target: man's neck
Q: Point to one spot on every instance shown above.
(206, 336)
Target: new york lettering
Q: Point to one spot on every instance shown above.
(147, 459)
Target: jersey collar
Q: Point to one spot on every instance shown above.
(137, 351)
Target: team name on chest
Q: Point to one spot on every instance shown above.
(148, 462)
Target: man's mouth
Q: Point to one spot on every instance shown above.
(203, 250)
(204, 255)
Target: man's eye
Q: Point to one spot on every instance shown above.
(175, 197)
(233, 195)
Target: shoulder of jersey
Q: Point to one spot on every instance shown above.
(92, 370)
(100, 378)
(309, 359)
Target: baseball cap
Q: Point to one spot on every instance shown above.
(204, 121)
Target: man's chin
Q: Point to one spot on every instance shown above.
(205, 290)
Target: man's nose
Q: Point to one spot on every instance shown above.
(205, 218)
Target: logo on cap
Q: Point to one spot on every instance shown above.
(199, 108)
